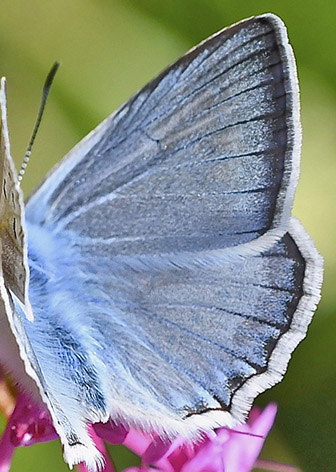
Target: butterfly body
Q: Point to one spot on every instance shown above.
(168, 281)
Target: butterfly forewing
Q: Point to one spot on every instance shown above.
(204, 157)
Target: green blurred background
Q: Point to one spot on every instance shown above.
(110, 48)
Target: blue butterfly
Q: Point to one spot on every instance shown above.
(168, 282)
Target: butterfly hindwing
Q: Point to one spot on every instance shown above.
(177, 348)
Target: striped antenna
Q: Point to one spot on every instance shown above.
(45, 93)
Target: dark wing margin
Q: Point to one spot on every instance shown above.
(204, 157)
(310, 265)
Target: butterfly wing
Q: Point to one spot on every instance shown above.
(174, 348)
(168, 281)
(197, 341)
(204, 157)
(12, 235)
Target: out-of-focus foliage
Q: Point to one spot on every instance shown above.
(108, 49)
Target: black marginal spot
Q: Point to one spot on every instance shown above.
(201, 408)
(75, 443)
(73, 440)
(223, 405)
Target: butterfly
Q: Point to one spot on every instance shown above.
(156, 276)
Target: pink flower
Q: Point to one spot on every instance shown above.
(28, 424)
(224, 450)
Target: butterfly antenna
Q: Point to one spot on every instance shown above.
(45, 94)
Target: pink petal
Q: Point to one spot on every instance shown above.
(264, 422)
(159, 450)
(181, 452)
(241, 451)
(137, 442)
(156, 450)
(206, 459)
(30, 423)
(141, 469)
(111, 433)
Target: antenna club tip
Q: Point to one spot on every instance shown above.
(54, 68)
